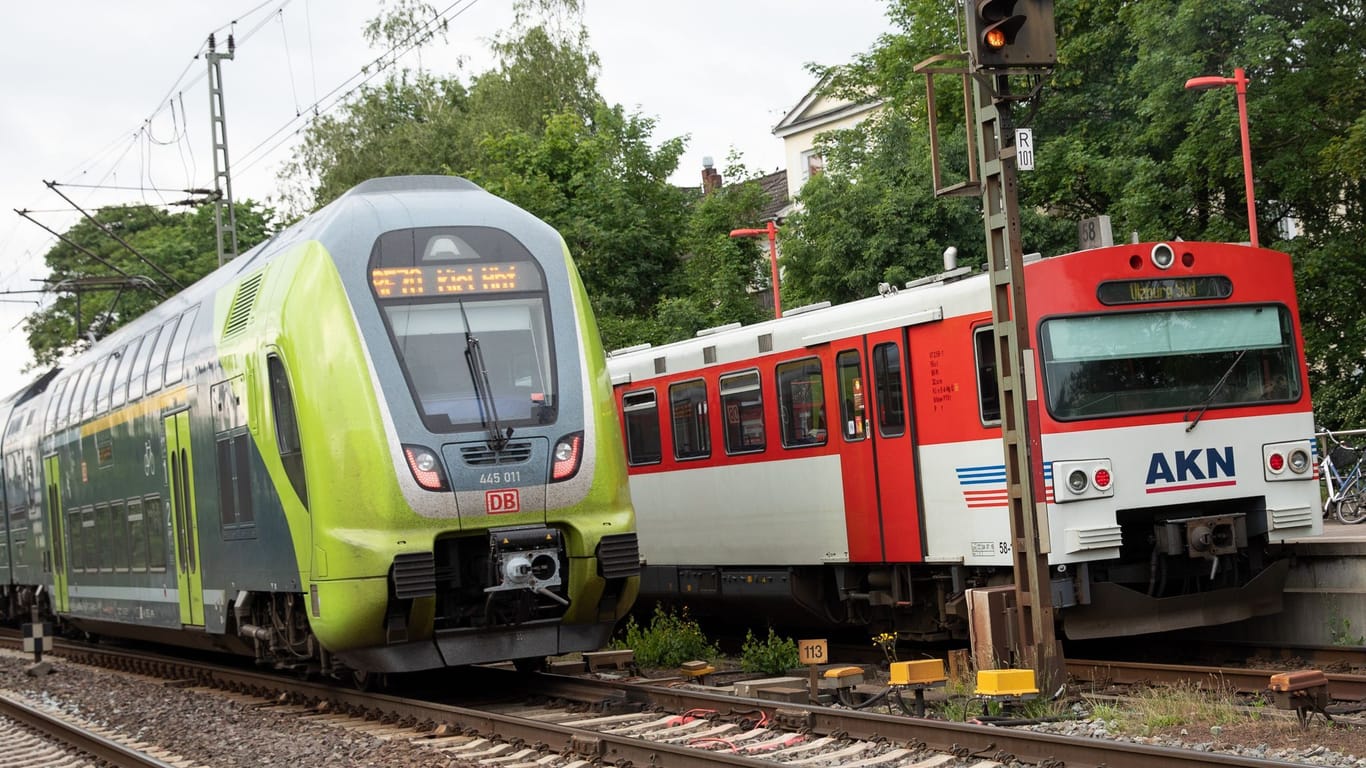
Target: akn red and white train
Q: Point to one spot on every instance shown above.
(843, 464)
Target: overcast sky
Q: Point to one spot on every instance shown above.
(86, 85)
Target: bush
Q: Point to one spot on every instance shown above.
(670, 640)
(773, 656)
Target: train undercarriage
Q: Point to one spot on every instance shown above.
(1177, 570)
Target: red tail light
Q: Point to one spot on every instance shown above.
(568, 454)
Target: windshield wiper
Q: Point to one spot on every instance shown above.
(483, 390)
(1209, 398)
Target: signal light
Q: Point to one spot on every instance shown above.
(1012, 34)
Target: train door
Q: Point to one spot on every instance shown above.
(180, 489)
(892, 433)
(857, 460)
(55, 556)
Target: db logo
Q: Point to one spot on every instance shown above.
(502, 501)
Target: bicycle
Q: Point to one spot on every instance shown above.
(1346, 492)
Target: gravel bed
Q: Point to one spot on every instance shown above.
(208, 729)
(217, 731)
(1267, 738)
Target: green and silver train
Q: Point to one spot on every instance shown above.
(382, 441)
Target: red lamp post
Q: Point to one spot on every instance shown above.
(1239, 83)
(772, 232)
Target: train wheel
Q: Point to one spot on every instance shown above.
(367, 681)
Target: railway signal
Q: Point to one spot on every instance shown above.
(1011, 34)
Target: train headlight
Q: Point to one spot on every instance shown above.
(1299, 461)
(1163, 256)
(425, 466)
(567, 457)
(1085, 479)
(1296, 456)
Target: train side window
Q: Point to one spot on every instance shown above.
(988, 395)
(111, 373)
(175, 360)
(74, 543)
(801, 403)
(71, 402)
(234, 485)
(688, 404)
(118, 532)
(287, 427)
(891, 404)
(138, 376)
(50, 417)
(155, 525)
(158, 362)
(118, 393)
(853, 407)
(104, 537)
(90, 543)
(642, 427)
(92, 388)
(742, 407)
(137, 536)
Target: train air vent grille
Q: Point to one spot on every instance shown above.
(709, 355)
(482, 455)
(618, 556)
(766, 342)
(239, 314)
(660, 365)
(414, 575)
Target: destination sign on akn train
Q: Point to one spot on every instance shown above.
(393, 282)
(1165, 289)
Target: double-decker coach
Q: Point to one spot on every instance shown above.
(382, 441)
(843, 464)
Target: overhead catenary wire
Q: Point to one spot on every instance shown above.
(367, 73)
(53, 186)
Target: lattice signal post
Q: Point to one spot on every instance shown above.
(1009, 41)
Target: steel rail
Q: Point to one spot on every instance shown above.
(1341, 687)
(960, 739)
(103, 751)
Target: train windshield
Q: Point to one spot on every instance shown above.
(1168, 360)
(442, 288)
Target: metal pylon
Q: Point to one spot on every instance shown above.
(222, 179)
(1015, 368)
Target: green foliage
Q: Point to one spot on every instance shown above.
(772, 656)
(183, 246)
(1340, 627)
(671, 639)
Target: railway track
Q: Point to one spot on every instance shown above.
(1341, 686)
(36, 738)
(553, 720)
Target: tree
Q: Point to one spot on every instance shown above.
(184, 245)
(606, 190)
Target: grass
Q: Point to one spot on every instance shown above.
(1159, 708)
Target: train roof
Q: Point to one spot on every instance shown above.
(926, 300)
(358, 215)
